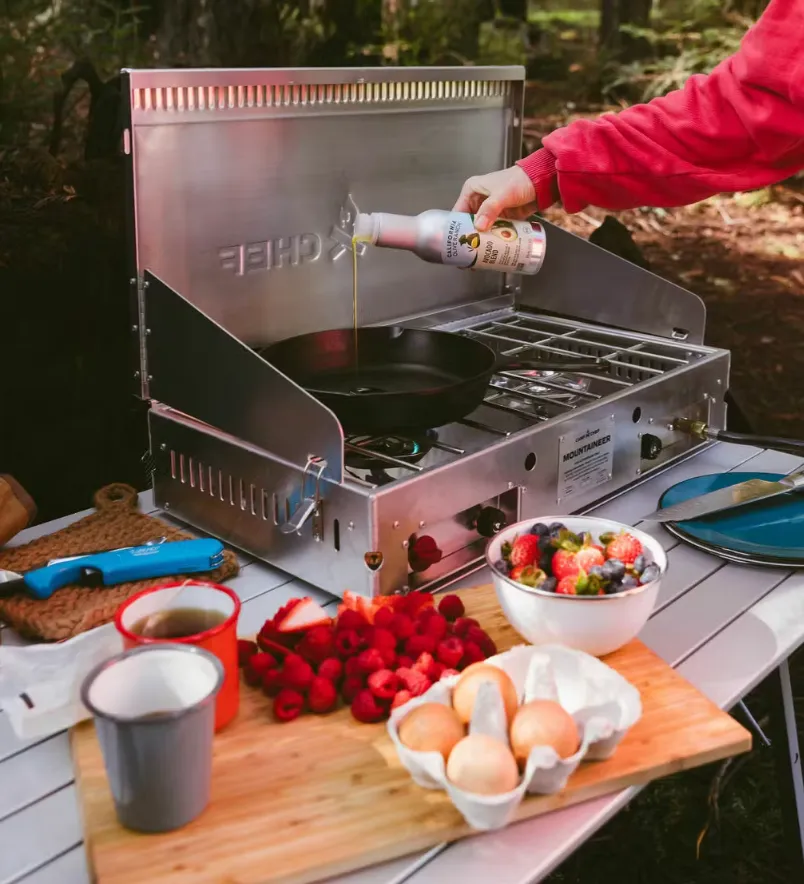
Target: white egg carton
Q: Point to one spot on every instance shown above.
(603, 704)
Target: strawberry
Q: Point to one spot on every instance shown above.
(297, 673)
(349, 619)
(370, 660)
(245, 651)
(471, 654)
(579, 584)
(588, 556)
(527, 575)
(347, 643)
(524, 551)
(384, 618)
(462, 624)
(288, 705)
(450, 651)
(256, 667)
(318, 644)
(622, 546)
(401, 698)
(272, 682)
(565, 564)
(303, 616)
(365, 708)
(427, 665)
(566, 586)
(331, 668)
(419, 644)
(383, 684)
(352, 686)
(402, 626)
(414, 681)
(322, 697)
(435, 626)
(451, 607)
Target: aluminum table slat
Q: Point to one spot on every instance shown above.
(745, 619)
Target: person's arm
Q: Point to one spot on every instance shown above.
(739, 128)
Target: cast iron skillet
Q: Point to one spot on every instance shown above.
(406, 378)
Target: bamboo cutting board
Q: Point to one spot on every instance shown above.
(324, 795)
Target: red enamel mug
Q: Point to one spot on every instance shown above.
(220, 640)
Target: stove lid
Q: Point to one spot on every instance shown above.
(244, 185)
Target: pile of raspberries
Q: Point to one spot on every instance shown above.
(374, 656)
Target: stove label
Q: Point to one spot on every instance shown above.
(585, 459)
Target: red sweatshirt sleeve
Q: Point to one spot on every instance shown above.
(739, 128)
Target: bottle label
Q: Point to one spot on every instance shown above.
(514, 246)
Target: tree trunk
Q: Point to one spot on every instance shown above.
(616, 13)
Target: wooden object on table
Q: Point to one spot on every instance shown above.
(325, 795)
(116, 523)
(17, 509)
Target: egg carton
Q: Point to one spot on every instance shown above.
(602, 703)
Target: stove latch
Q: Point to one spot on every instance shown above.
(311, 504)
(422, 552)
(486, 520)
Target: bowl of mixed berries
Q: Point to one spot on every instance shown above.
(579, 581)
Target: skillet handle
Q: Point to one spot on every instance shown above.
(515, 363)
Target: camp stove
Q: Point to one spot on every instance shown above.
(244, 185)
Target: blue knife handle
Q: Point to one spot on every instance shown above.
(124, 565)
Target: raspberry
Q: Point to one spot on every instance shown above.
(332, 669)
(366, 635)
(435, 626)
(482, 639)
(419, 644)
(383, 638)
(347, 643)
(401, 698)
(437, 669)
(297, 674)
(383, 684)
(471, 654)
(352, 667)
(427, 665)
(352, 686)
(451, 607)
(323, 696)
(245, 651)
(462, 624)
(404, 662)
(365, 708)
(272, 682)
(402, 626)
(450, 651)
(256, 666)
(351, 620)
(317, 644)
(288, 705)
(384, 618)
(370, 660)
(448, 673)
(416, 682)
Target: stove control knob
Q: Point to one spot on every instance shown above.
(422, 552)
(651, 447)
(490, 521)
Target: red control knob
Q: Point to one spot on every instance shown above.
(423, 552)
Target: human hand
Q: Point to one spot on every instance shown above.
(508, 193)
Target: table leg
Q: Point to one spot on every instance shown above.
(784, 739)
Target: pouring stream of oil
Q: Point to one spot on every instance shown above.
(355, 241)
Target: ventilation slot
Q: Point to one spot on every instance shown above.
(336, 535)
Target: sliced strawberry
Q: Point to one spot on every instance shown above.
(304, 616)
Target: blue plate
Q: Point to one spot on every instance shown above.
(767, 532)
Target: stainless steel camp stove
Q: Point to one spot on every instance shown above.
(244, 187)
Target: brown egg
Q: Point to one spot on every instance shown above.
(431, 727)
(465, 691)
(482, 765)
(543, 723)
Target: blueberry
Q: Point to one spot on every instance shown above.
(612, 588)
(597, 571)
(613, 569)
(539, 529)
(629, 581)
(639, 564)
(501, 566)
(549, 584)
(650, 573)
(556, 528)
(546, 558)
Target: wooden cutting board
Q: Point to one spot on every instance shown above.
(324, 795)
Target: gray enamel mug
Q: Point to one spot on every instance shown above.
(154, 711)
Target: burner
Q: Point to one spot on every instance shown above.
(401, 448)
(528, 381)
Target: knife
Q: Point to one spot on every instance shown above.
(728, 498)
(117, 566)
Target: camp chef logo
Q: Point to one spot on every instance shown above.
(582, 446)
(297, 250)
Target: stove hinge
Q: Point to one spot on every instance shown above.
(311, 506)
(141, 330)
